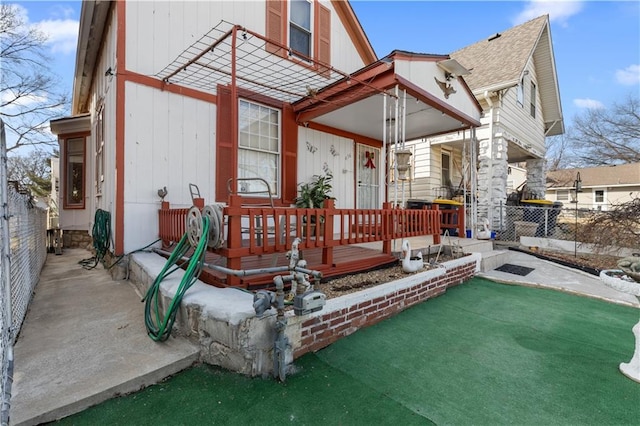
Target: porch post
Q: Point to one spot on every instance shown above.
(386, 227)
(234, 238)
(327, 250)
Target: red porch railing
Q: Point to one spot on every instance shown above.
(254, 231)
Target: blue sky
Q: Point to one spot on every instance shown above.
(597, 44)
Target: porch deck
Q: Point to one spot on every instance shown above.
(347, 241)
(347, 260)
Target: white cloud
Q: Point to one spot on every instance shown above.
(24, 101)
(558, 10)
(629, 76)
(588, 103)
(62, 34)
(61, 30)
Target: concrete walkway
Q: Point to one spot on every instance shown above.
(83, 342)
(548, 274)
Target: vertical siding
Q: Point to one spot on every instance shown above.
(424, 73)
(169, 141)
(340, 162)
(158, 31)
(103, 90)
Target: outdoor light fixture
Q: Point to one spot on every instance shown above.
(108, 72)
(577, 186)
(402, 162)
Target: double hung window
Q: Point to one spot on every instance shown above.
(259, 143)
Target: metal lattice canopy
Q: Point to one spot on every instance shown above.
(259, 65)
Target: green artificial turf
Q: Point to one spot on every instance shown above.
(483, 353)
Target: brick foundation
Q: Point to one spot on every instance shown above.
(347, 314)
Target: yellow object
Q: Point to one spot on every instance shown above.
(541, 202)
(448, 202)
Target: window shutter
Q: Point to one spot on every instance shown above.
(289, 157)
(324, 39)
(225, 146)
(275, 25)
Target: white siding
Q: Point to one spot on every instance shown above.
(316, 156)
(424, 74)
(169, 141)
(428, 169)
(516, 120)
(104, 92)
(158, 31)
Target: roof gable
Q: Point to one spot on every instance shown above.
(499, 62)
(501, 58)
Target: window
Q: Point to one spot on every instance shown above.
(562, 195)
(520, 94)
(533, 99)
(74, 170)
(599, 196)
(99, 139)
(446, 169)
(259, 143)
(300, 27)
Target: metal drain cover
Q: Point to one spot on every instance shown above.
(514, 269)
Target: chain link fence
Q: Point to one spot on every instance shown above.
(548, 221)
(23, 251)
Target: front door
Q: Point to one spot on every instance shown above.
(368, 177)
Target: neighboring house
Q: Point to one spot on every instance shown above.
(172, 93)
(602, 187)
(513, 76)
(516, 178)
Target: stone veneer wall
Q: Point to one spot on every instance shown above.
(76, 239)
(222, 321)
(536, 178)
(493, 170)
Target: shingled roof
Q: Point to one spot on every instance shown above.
(499, 61)
(501, 57)
(622, 174)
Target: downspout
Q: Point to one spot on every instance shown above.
(487, 97)
(6, 278)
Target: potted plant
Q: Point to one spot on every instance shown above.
(312, 195)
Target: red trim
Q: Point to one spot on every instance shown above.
(436, 102)
(353, 94)
(120, 127)
(364, 140)
(339, 87)
(155, 83)
(418, 57)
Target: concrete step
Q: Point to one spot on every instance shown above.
(493, 259)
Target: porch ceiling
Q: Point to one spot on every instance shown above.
(365, 117)
(319, 93)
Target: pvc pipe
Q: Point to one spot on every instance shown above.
(247, 272)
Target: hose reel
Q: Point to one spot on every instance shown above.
(194, 228)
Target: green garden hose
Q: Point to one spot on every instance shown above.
(101, 234)
(158, 327)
